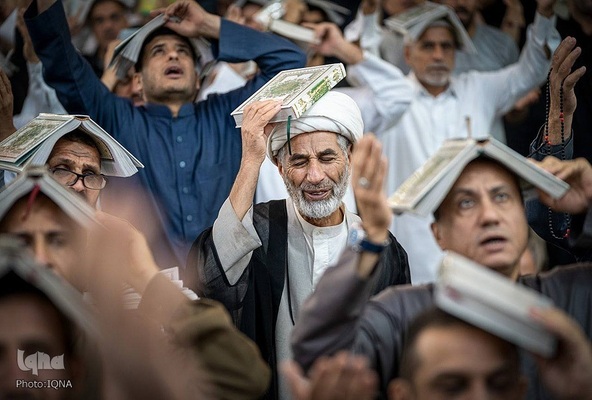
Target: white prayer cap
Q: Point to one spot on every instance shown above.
(334, 112)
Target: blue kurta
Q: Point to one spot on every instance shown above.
(191, 160)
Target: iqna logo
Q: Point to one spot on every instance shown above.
(37, 361)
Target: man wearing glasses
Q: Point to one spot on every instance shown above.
(75, 162)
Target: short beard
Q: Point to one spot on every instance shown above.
(321, 209)
(437, 79)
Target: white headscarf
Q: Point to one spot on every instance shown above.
(334, 112)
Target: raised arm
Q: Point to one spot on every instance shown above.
(337, 316)
(391, 91)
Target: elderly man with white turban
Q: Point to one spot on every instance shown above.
(262, 261)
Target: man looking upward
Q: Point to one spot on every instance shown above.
(192, 150)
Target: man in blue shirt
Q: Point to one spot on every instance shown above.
(191, 150)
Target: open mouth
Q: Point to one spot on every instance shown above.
(493, 242)
(316, 195)
(173, 71)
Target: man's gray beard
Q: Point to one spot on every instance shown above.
(437, 80)
(322, 208)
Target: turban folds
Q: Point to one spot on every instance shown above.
(334, 112)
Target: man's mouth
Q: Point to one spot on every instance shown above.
(173, 72)
(317, 194)
(493, 243)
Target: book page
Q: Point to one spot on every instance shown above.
(414, 15)
(425, 178)
(29, 136)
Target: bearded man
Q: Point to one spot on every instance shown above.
(262, 261)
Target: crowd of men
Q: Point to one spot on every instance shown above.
(308, 287)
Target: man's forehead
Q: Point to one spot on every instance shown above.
(314, 140)
(71, 150)
(485, 172)
(40, 215)
(166, 39)
(437, 34)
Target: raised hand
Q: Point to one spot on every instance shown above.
(368, 174)
(333, 44)
(255, 129)
(561, 75)
(188, 18)
(6, 107)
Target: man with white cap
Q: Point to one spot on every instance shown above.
(262, 261)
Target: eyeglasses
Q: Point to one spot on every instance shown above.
(69, 178)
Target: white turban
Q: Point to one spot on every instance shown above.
(334, 112)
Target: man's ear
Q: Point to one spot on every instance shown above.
(399, 389)
(407, 53)
(279, 166)
(137, 78)
(436, 231)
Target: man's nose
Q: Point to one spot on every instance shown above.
(315, 173)
(490, 213)
(41, 253)
(79, 185)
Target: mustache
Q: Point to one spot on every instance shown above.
(323, 185)
(439, 66)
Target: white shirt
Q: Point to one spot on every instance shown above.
(419, 124)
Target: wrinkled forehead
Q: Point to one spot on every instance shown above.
(485, 171)
(314, 142)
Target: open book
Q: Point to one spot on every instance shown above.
(415, 20)
(32, 144)
(423, 191)
(299, 89)
(126, 53)
(493, 303)
(38, 176)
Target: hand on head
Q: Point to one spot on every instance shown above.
(255, 128)
(188, 18)
(578, 173)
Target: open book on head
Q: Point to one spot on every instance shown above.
(32, 144)
(423, 192)
(414, 21)
(298, 88)
(127, 53)
(492, 302)
(39, 178)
